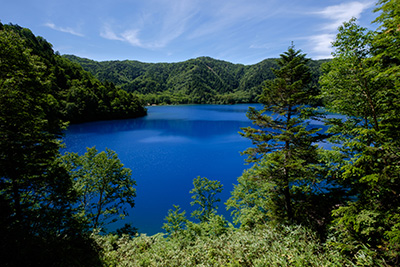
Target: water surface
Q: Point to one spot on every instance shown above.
(166, 150)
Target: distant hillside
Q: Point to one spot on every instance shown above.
(200, 80)
(78, 95)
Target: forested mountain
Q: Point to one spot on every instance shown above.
(79, 95)
(41, 220)
(200, 80)
(297, 205)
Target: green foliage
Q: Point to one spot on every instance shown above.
(204, 195)
(36, 194)
(28, 140)
(362, 83)
(385, 43)
(76, 94)
(128, 230)
(176, 221)
(251, 201)
(347, 73)
(292, 246)
(102, 184)
(201, 80)
(215, 225)
(256, 200)
(286, 97)
(211, 224)
(49, 203)
(287, 184)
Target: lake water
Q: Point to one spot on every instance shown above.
(166, 150)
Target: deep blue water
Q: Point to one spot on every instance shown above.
(166, 150)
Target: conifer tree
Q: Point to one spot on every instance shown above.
(362, 83)
(36, 193)
(285, 177)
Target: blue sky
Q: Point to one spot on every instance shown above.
(238, 31)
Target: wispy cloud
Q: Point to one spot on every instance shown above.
(222, 16)
(341, 13)
(130, 36)
(335, 15)
(108, 33)
(159, 23)
(322, 45)
(62, 29)
(176, 20)
(156, 28)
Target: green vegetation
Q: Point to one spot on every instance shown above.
(36, 196)
(199, 81)
(290, 246)
(346, 200)
(42, 219)
(204, 192)
(288, 183)
(103, 185)
(362, 83)
(297, 205)
(77, 96)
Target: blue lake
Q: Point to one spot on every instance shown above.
(166, 150)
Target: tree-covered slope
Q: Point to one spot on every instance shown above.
(79, 95)
(200, 80)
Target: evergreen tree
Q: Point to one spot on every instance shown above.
(285, 178)
(362, 83)
(35, 191)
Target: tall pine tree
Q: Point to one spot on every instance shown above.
(284, 185)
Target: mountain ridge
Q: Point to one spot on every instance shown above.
(198, 80)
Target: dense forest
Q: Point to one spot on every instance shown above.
(296, 205)
(41, 220)
(80, 97)
(203, 80)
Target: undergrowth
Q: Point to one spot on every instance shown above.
(290, 246)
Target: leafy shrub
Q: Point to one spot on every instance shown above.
(290, 246)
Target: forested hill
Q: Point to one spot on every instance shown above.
(200, 80)
(77, 95)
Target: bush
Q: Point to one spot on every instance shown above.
(290, 246)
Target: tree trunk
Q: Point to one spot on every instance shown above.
(286, 190)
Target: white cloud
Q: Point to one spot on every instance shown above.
(107, 33)
(158, 23)
(224, 15)
(132, 37)
(322, 43)
(155, 26)
(129, 36)
(341, 13)
(177, 18)
(61, 29)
